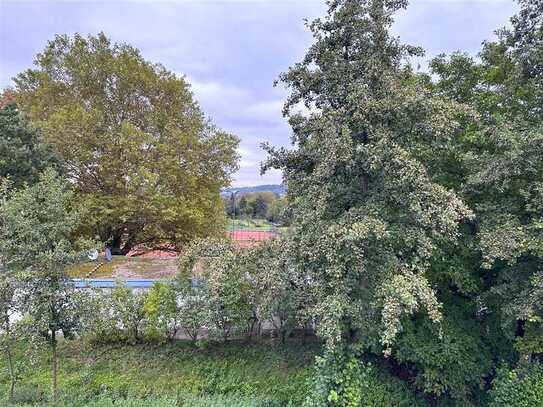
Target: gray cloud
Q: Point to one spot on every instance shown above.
(231, 51)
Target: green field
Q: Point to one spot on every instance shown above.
(250, 224)
(174, 374)
(255, 225)
(127, 267)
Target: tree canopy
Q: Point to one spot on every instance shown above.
(145, 162)
(23, 156)
(416, 202)
(368, 216)
(498, 168)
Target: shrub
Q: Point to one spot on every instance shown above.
(127, 310)
(276, 293)
(342, 379)
(98, 320)
(114, 316)
(162, 312)
(522, 387)
(28, 395)
(446, 360)
(193, 314)
(224, 285)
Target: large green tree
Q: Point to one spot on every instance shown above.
(498, 169)
(22, 153)
(368, 215)
(145, 162)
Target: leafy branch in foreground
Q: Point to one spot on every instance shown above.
(37, 239)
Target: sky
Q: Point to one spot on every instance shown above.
(231, 51)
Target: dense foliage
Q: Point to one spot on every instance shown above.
(37, 226)
(416, 203)
(521, 387)
(172, 374)
(256, 205)
(22, 154)
(237, 291)
(146, 164)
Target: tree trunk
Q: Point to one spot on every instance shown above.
(126, 248)
(225, 332)
(11, 375)
(192, 334)
(129, 244)
(54, 389)
(10, 360)
(254, 321)
(115, 246)
(259, 330)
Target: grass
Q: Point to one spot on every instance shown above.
(249, 224)
(82, 270)
(138, 267)
(180, 400)
(174, 374)
(256, 225)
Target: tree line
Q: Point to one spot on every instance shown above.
(257, 205)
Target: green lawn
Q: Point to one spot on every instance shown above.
(170, 375)
(127, 267)
(255, 224)
(249, 224)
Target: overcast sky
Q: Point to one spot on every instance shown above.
(232, 51)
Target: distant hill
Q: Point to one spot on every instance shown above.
(275, 188)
